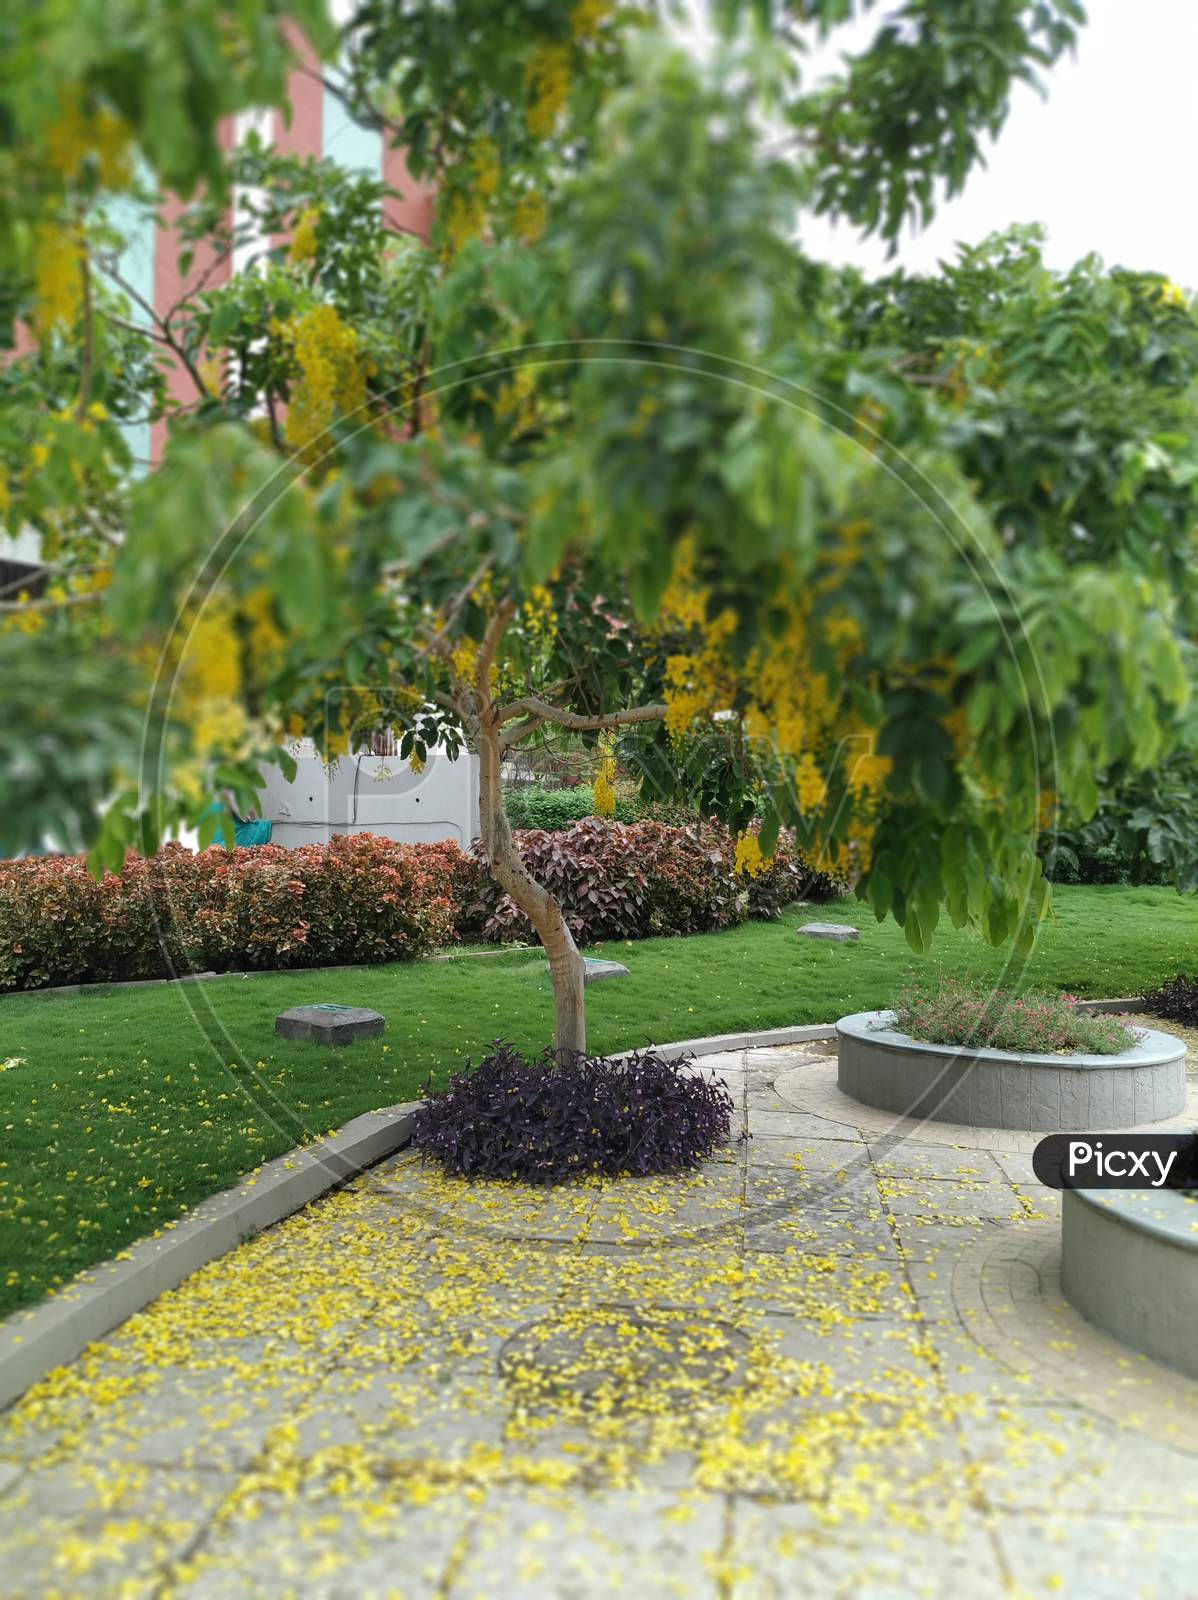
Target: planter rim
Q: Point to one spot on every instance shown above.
(1166, 1214)
(1153, 1050)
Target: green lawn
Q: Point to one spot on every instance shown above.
(133, 1104)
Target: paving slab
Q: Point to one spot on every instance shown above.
(833, 1361)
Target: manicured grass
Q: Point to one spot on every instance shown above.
(133, 1104)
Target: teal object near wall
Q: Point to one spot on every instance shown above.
(247, 832)
(256, 832)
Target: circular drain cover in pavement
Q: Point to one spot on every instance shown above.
(609, 1358)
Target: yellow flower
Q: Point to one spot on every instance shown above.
(605, 787)
(487, 171)
(57, 277)
(587, 16)
(332, 377)
(547, 74)
(81, 135)
(28, 618)
(464, 660)
(528, 219)
(750, 863)
(540, 619)
(809, 783)
(303, 240)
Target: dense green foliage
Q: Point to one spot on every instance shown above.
(535, 806)
(1145, 830)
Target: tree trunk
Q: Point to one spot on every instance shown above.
(538, 905)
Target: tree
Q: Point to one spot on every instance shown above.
(612, 454)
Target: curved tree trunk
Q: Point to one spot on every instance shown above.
(538, 905)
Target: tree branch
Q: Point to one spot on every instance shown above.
(165, 335)
(531, 706)
(496, 629)
(47, 604)
(87, 362)
(520, 731)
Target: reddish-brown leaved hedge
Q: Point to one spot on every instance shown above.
(365, 899)
(359, 898)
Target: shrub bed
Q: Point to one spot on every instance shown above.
(1176, 1000)
(358, 899)
(636, 880)
(1037, 1023)
(536, 806)
(548, 1119)
(364, 899)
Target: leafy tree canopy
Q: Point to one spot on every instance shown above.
(610, 452)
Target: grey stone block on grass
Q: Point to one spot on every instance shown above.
(595, 970)
(829, 930)
(329, 1024)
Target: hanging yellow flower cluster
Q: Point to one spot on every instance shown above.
(265, 638)
(750, 863)
(797, 713)
(540, 618)
(487, 169)
(57, 277)
(547, 75)
(208, 681)
(699, 680)
(588, 16)
(303, 240)
(604, 787)
(89, 135)
(528, 217)
(332, 373)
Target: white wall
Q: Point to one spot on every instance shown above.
(373, 794)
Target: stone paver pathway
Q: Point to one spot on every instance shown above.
(833, 1362)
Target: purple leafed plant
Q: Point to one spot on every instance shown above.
(550, 1118)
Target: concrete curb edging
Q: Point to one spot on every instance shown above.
(718, 1043)
(1129, 1264)
(56, 1331)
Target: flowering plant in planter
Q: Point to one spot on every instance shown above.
(1040, 1022)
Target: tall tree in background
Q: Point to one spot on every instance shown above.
(611, 452)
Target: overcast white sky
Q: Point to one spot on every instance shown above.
(1107, 161)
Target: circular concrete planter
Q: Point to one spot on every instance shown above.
(1129, 1263)
(993, 1089)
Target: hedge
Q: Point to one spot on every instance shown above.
(359, 898)
(532, 806)
(635, 880)
(364, 899)
(545, 807)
